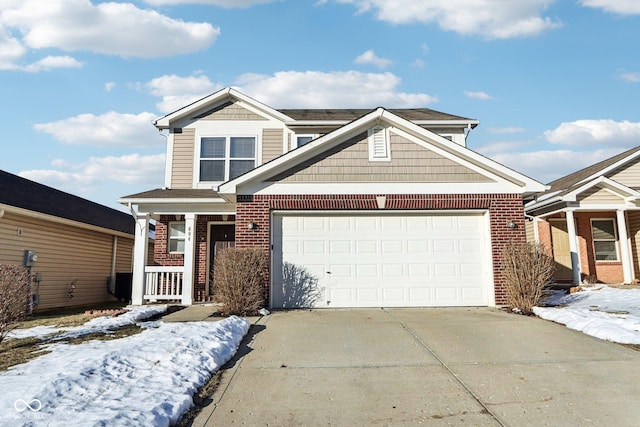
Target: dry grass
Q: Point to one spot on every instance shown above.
(17, 351)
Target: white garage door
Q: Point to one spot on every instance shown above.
(373, 260)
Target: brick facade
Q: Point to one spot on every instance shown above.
(604, 271)
(502, 209)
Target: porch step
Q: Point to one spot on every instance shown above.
(192, 313)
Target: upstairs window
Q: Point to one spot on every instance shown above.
(303, 139)
(223, 158)
(603, 232)
(176, 237)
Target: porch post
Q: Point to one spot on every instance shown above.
(189, 258)
(625, 254)
(140, 248)
(573, 247)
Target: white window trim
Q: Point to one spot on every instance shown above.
(379, 151)
(169, 238)
(615, 234)
(298, 135)
(227, 159)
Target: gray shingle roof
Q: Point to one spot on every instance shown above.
(177, 193)
(23, 193)
(349, 114)
(567, 182)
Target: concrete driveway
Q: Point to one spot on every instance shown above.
(478, 367)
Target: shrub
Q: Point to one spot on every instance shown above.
(14, 297)
(239, 280)
(528, 268)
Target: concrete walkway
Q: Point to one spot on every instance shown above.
(478, 367)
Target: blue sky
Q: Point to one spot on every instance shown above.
(555, 84)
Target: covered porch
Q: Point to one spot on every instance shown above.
(190, 227)
(593, 232)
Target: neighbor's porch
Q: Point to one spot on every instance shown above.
(600, 245)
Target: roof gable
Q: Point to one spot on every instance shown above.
(403, 127)
(409, 162)
(29, 195)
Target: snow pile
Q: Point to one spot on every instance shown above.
(99, 324)
(144, 379)
(607, 313)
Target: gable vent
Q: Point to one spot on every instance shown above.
(378, 144)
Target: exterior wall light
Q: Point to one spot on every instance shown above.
(252, 226)
(511, 224)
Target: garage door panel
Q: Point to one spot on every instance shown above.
(393, 260)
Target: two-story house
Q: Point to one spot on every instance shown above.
(354, 208)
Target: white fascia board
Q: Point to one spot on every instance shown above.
(530, 185)
(165, 121)
(181, 209)
(263, 188)
(164, 201)
(535, 204)
(615, 187)
(305, 152)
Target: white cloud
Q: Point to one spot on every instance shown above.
(547, 165)
(107, 28)
(338, 89)
(596, 132)
(505, 130)
(418, 63)
(111, 129)
(221, 3)
(109, 86)
(176, 91)
(623, 7)
(50, 62)
(631, 77)
(369, 57)
(477, 95)
(130, 171)
(492, 19)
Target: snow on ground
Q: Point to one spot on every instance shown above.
(99, 324)
(143, 379)
(608, 313)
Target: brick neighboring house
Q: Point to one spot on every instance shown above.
(354, 208)
(76, 242)
(591, 221)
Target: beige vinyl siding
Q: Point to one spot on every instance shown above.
(410, 162)
(124, 255)
(633, 218)
(182, 162)
(230, 111)
(271, 144)
(628, 175)
(599, 196)
(65, 253)
(530, 231)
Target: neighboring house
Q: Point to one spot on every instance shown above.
(354, 208)
(79, 244)
(591, 220)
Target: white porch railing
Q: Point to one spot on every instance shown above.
(163, 283)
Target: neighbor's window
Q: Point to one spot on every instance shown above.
(603, 232)
(223, 158)
(176, 237)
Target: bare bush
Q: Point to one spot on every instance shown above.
(239, 280)
(528, 268)
(14, 297)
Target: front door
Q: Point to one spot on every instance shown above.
(561, 251)
(221, 236)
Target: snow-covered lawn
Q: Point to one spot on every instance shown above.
(147, 379)
(608, 313)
